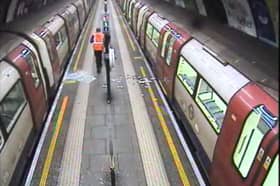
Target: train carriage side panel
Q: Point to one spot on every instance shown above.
(81, 12)
(86, 6)
(246, 142)
(70, 16)
(154, 26)
(140, 20)
(129, 12)
(136, 10)
(25, 60)
(40, 43)
(171, 41)
(201, 95)
(48, 38)
(15, 121)
(58, 29)
(127, 8)
(125, 2)
(143, 28)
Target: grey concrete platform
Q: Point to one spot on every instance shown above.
(93, 130)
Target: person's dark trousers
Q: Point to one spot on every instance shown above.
(98, 59)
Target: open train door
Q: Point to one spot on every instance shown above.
(248, 143)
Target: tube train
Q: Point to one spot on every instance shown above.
(33, 55)
(231, 120)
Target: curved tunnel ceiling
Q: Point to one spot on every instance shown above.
(258, 18)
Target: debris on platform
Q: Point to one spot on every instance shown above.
(80, 76)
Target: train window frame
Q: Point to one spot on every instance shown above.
(169, 50)
(32, 62)
(212, 102)
(149, 30)
(186, 85)
(271, 171)
(19, 108)
(164, 43)
(241, 142)
(155, 39)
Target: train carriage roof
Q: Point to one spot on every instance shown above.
(224, 79)
(30, 22)
(157, 21)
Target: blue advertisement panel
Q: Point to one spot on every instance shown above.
(264, 25)
(239, 16)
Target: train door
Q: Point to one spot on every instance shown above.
(162, 68)
(15, 122)
(27, 63)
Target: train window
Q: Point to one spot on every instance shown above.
(48, 43)
(256, 126)
(149, 30)
(272, 176)
(187, 75)
(169, 50)
(165, 37)
(155, 37)
(11, 106)
(32, 61)
(211, 104)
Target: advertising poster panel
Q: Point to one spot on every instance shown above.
(266, 18)
(239, 16)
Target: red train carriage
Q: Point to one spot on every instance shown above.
(22, 62)
(32, 59)
(231, 120)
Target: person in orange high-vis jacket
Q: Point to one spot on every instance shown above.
(97, 40)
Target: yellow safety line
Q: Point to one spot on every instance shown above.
(176, 158)
(49, 157)
(128, 35)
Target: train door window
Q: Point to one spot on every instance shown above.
(2, 140)
(155, 37)
(187, 75)
(163, 48)
(211, 104)
(149, 30)
(48, 43)
(60, 37)
(272, 176)
(11, 106)
(32, 63)
(170, 44)
(256, 126)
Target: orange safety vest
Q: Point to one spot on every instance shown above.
(98, 41)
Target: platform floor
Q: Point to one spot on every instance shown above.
(134, 134)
